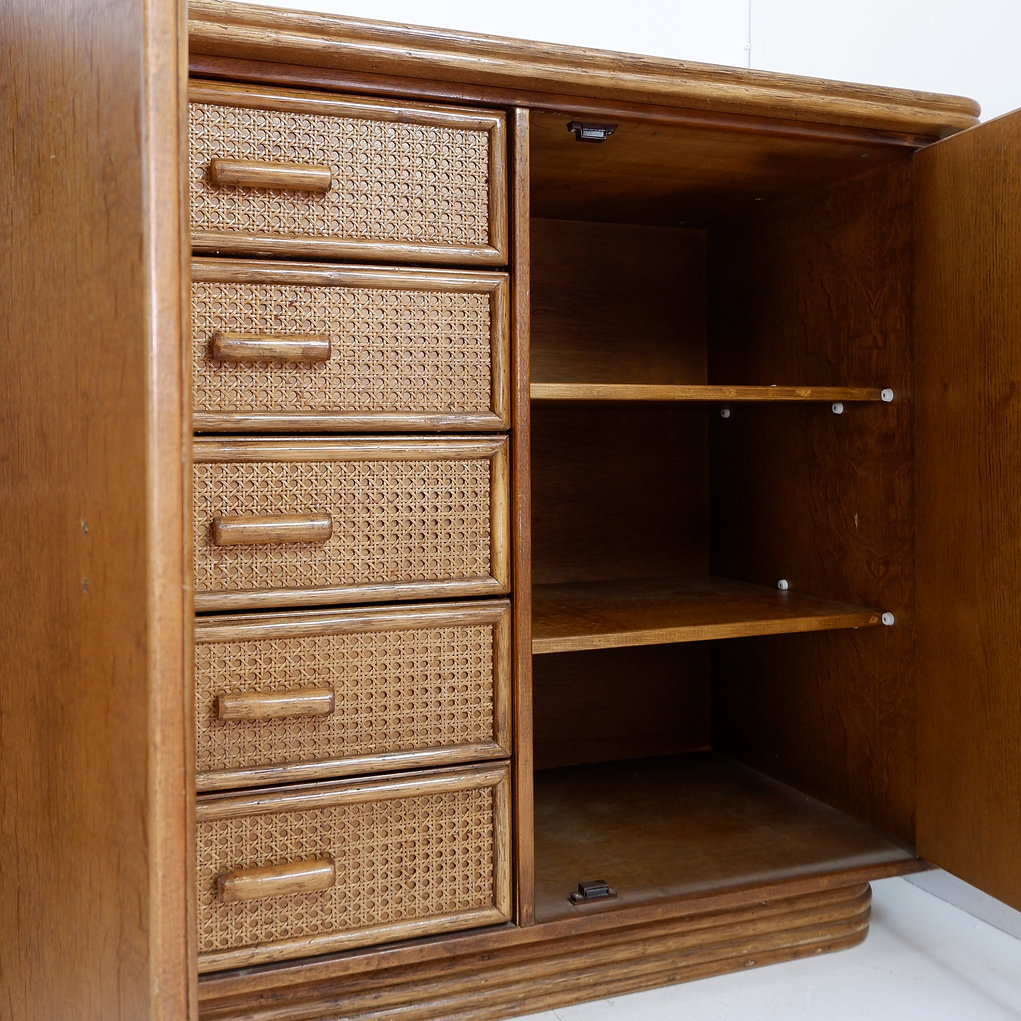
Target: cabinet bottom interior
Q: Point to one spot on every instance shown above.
(685, 825)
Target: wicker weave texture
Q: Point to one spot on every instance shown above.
(393, 521)
(400, 860)
(392, 181)
(395, 691)
(391, 350)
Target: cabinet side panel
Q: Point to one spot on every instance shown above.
(92, 790)
(817, 291)
(968, 321)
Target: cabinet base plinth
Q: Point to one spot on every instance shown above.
(532, 971)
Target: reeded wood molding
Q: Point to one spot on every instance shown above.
(333, 42)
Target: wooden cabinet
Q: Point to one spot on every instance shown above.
(492, 524)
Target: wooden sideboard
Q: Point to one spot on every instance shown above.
(489, 524)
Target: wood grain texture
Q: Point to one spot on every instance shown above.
(267, 174)
(661, 828)
(275, 705)
(616, 303)
(708, 394)
(618, 491)
(265, 529)
(572, 616)
(255, 347)
(824, 501)
(333, 42)
(968, 275)
(93, 686)
(610, 962)
(580, 716)
(684, 175)
(275, 881)
(521, 512)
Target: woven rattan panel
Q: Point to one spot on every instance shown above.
(429, 856)
(392, 181)
(395, 691)
(393, 521)
(391, 350)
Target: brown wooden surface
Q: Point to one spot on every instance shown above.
(581, 717)
(275, 705)
(603, 963)
(329, 41)
(715, 394)
(254, 347)
(572, 616)
(267, 174)
(968, 320)
(819, 289)
(683, 175)
(660, 828)
(93, 683)
(268, 529)
(521, 515)
(618, 491)
(616, 303)
(275, 880)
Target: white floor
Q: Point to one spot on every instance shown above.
(923, 959)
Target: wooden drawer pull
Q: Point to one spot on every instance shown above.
(254, 347)
(255, 530)
(276, 880)
(275, 705)
(264, 174)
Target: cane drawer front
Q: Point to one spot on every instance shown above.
(301, 346)
(305, 695)
(285, 172)
(289, 522)
(306, 870)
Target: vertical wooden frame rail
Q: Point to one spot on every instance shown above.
(94, 795)
(522, 518)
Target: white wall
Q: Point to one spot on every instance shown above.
(971, 49)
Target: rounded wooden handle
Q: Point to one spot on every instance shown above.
(275, 880)
(266, 174)
(258, 347)
(261, 530)
(275, 705)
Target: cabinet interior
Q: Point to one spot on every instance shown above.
(702, 300)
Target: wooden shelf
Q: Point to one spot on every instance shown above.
(688, 825)
(569, 617)
(700, 394)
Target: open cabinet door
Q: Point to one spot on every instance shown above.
(968, 446)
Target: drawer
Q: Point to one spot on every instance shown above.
(307, 870)
(278, 172)
(299, 346)
(282, 522)
(303, 695)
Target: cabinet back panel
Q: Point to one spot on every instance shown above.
(618, 491)
(819, 291)
(617, 303)
(620, 703)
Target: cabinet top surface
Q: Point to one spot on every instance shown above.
(230, 37)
